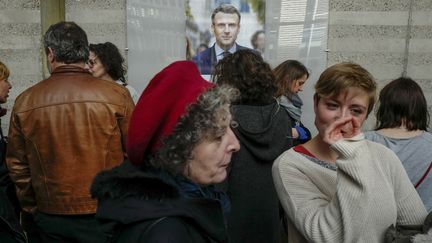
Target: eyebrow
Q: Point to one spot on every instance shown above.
(358, 106)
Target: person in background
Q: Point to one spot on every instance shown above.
(63, 131)
(106, 62)
(291, 76)
(180, 144)
(402, 122)
(263, 128)
(225, 26)
(10, 228)
(201, 47)
(258, 41)
(340, 187)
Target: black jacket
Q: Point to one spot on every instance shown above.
(264, 133)
(137, 206)
(10, 229)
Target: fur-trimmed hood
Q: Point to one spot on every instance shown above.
(127, 195)
(126, 180)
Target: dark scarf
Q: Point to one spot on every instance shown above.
(190, 189)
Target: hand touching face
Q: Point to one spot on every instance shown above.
(341, 116)
(345, 127)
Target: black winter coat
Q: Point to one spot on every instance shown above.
(137, 206)
(264, 133)
(10, 229)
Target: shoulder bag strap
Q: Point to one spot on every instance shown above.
(424, 176)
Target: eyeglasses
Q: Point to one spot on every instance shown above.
(91, 62)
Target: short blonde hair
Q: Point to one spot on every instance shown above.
(344, 75)
(4, 71)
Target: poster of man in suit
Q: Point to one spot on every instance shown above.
(220, 27)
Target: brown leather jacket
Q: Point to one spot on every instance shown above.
(63, 131)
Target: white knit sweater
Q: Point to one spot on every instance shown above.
(357, 203)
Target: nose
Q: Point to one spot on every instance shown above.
(87, 67)
(345, 113)
(233, 143)
(226, 28)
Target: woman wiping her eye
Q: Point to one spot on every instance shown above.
(339, 187)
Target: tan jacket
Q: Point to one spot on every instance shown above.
(63, 131)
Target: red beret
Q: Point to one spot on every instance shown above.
(160, 106)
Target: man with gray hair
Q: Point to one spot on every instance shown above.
(63, 131)
(225, 26)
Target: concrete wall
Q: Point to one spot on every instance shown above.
(102, 20)
(390, 38)
(20, 47)
(419, 66)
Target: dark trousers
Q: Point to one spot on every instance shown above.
(69, 229)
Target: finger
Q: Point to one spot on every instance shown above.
(334, 131)
(340, 122)
(352, 128)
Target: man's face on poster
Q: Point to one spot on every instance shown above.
(226, 28)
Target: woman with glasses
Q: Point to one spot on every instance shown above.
(106, 62)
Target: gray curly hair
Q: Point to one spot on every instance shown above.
(202, 121)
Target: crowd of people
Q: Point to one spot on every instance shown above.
(229, 160)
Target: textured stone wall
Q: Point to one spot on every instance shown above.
(20, 47)
(390, 38)
(102, 20)
(419, 66)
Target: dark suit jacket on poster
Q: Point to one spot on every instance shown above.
(206, 60)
